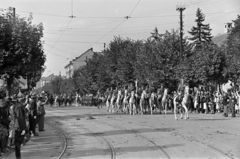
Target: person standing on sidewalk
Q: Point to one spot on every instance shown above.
(41, 112)
(20, 126)
(33, 115)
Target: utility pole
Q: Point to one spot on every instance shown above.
(14, 13)
(72, 16)
(181, 9)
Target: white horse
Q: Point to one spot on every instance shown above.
(118, 104)
(109, 95)
(112, 104)
(142, 101)
(165, 100)
(183, 103)
(132, 105)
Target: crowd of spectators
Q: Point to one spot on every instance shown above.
(19, 116)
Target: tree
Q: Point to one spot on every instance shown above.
(56, 85)
(205, 66)
(232, 50)
(19, 47)
(201, 34)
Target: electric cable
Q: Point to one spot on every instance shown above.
(61, 33)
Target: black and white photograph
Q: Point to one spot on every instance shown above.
(119, 79)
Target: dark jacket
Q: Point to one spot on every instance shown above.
(33, 108)
(20, 115)
(4, 117)
(4, 114)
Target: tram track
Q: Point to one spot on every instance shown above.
(64, 140)
(199, 142)
(214, 149)
(143, 137)
(111, 148)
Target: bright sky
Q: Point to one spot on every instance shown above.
(96, 22)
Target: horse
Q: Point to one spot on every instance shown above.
(146, 105)
(182, 104)
(142, 100)
(118, 101)
(113, 100)
(132, 105)
(109, 95)
(165, 100)
(152, 102)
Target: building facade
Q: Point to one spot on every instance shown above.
(78, 62)
(45, 80)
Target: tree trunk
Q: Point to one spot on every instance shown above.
(9, 86)
(219, 87)
(28, 84)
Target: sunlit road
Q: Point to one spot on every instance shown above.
(145, 136)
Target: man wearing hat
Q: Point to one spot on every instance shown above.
(19, 124)
(33, 114)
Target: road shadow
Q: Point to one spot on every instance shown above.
(128, 131)
(120, 150)
(209, 119)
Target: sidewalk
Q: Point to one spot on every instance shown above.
(47, 145)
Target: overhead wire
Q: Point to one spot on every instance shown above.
(61, 34)
(115, 26)
(63, 16)
(94, 24)
(134, 8)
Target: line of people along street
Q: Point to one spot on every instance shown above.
(19, 117)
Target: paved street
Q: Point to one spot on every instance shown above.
(136, 136)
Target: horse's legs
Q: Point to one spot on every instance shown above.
(113, 106)
(186, 111)
(117, 106)
(107, 103)
(151, 106)
(164, 106)
(130, 108)
(175, 110)
(134, 108)
(141, 106)
(124, 107)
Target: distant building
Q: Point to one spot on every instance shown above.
(69, 69)
(78, 62)
(228, 27)
(45, 80)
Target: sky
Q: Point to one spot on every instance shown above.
(73, 26)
